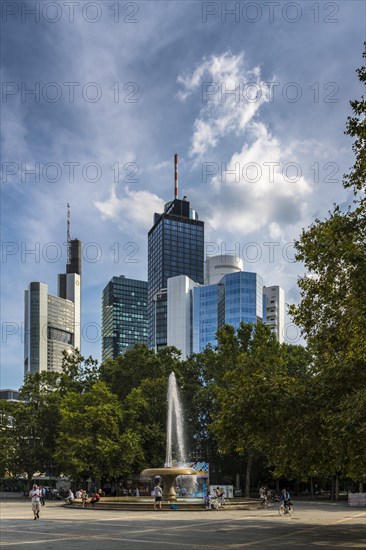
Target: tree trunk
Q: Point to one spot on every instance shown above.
(277, 486)
(332, 490)
(98, 484)
(337, 488)
(237, 482)
(297, 487)
(360, 487)
(311, 487)
(247, 476)
(30, 484)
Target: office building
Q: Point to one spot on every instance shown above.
(124, 316)
(235, 298)
(229, 296)
(9, 395)
(218, 266)
(175, 247)
(52, 323)
(274, 310)
(180, 314)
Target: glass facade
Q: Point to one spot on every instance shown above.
(237, 297)
(124, 316)
(175, 247)
(205, 316)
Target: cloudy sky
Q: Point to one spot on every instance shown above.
(98, 96)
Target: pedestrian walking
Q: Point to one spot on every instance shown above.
(158, 491)
(42, 494)
(35, 496)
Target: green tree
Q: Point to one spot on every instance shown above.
(91, 440)
(78, 373)
(32, 431)
(332, 314)
(248, 394)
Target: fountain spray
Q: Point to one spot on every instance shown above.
(175, 423)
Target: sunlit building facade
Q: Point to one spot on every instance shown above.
(237, 297)
(52, 323)
(274, 310)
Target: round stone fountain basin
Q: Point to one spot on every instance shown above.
(168, 476)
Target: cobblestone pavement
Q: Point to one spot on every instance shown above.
(314, 525)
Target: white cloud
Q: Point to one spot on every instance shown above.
(231, 95)
(257, 187)
(134, 208)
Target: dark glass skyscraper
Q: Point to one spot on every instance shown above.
(124, 316)
(175, 247)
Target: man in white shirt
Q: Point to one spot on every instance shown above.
(35, 496)
(70, 497)
(158, 491)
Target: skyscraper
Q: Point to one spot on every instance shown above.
(229, 296)
(52, 323)
(235, 298)
(124, 316)
(180, 313)
(175, 247)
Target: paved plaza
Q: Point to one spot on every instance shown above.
(314, 525)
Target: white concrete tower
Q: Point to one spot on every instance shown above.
(218, 266)
(275, 310)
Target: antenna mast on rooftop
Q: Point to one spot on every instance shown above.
(68, 235)
(176, 176)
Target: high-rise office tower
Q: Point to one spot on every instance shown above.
(274, 309)
(124, 316)
(52, 323)
(175, 247)
(235, 298)
(180, 313)
(229, 296)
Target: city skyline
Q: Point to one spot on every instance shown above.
(182, 79)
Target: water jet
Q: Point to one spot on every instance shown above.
(175, 427)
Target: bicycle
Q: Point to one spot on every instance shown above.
(284, 509)
(220, 502)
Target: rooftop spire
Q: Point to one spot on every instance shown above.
(176, 175)
(68, 235)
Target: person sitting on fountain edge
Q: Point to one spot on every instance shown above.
(207, 500)
(158, 496)
(219, 492)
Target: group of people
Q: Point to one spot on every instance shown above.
(82, 495)
(265, 496)
(37, 496)
(219, 494)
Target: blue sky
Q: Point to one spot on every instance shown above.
(146, 80)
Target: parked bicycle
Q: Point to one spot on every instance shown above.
(220, 502)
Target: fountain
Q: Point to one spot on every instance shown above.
(174, 428)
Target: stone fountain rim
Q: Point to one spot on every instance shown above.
(169, 471)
